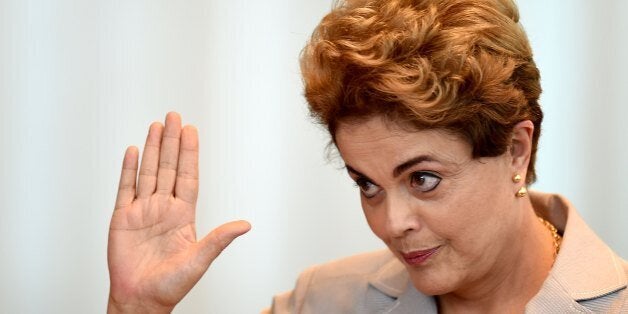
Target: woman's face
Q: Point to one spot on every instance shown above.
(445, 215)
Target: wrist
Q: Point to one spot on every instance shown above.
(114, 307)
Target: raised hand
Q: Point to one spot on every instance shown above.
(153, 255)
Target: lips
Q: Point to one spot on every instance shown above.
(416, 258)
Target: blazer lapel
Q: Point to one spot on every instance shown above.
(392, 280)
(412, 301)
(580, 250)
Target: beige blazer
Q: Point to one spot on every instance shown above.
(587, 277)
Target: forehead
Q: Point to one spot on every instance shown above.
(376, 139)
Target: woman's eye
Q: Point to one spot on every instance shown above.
(367, 188)
(424, 181)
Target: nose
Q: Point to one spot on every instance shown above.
(401, 215)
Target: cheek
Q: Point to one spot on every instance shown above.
(453, 216)
(471, 223)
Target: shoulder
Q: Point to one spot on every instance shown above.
(615, 301)
(587, 275)
(356, 266)
(343, 285)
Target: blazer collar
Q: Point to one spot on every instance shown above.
(580, 250)
(392, 279)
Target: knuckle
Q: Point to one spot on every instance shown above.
(148, 171)
(167, 164)
(187, 175)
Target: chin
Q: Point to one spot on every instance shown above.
(431, 284)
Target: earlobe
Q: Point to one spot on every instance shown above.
(521, 146)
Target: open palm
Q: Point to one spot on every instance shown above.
(153, 255)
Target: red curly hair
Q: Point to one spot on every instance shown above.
(460, 65)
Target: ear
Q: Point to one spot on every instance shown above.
(521, 147)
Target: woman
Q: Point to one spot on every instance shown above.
(433, 106)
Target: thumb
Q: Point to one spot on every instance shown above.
(218, 239)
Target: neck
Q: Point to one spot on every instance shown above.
(514, 279)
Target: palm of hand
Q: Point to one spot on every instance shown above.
(153, 255)
(150, 244)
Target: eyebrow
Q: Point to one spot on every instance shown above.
(399, 169)
(358, 173)
(409, 163)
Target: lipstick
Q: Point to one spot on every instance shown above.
(416, 258)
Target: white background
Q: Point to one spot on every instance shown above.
(81, 80)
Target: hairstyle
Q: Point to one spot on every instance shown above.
(461, 65)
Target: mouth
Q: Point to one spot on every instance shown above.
(416, 258)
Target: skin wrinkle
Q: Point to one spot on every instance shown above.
(396, 129)
(168, 165)
(190, 203)
(160, 231)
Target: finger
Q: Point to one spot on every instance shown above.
(169, 154)
(150, 161)
(186, 186)
(212, 245)
(126, 188)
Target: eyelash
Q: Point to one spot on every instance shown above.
(423, 174)
(362, 182)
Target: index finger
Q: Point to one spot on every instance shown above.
(126, 188)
